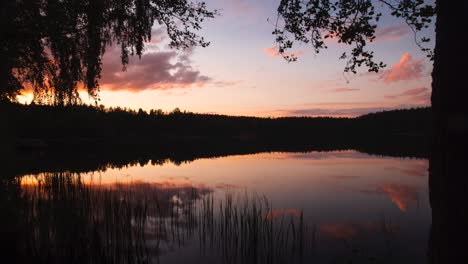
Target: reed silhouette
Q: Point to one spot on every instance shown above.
(57, 218)
(246, 229)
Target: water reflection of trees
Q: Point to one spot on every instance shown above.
(88, 157)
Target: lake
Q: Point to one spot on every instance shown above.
(320, 206)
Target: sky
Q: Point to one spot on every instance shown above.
(241, 72)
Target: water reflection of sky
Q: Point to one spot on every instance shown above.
(346, 195)
(350, 178)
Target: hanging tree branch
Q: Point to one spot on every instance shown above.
(54, 46)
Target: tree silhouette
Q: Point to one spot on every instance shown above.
(56, 46)
(353, 22)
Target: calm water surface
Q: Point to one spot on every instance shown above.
(353, 207)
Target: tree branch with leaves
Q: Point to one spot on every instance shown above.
(55, 46)
(352, 22)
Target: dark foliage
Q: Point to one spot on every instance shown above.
(88, 122)
(55, 46)
(352, 22)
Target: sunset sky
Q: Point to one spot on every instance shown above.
(240, 73)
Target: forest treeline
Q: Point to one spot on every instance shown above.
(37, 138)
(64, 125)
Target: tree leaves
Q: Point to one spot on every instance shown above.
(57, 45)
(352, 22)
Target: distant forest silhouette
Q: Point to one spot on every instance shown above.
(80, 123)
(39, 138)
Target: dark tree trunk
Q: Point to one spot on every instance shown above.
(448, 178)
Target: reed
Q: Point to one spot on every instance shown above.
(68, 221)
(245, 229)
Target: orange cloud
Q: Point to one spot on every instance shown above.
(405, 69)
(273, 52)
(401, 195)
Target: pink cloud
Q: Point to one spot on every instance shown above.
(392, 32)
(155, 70)
(338, 109)
(221, 84)
(405, 69)
(273, 52)
(420, 96)
(340, 112)
(344, 89)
